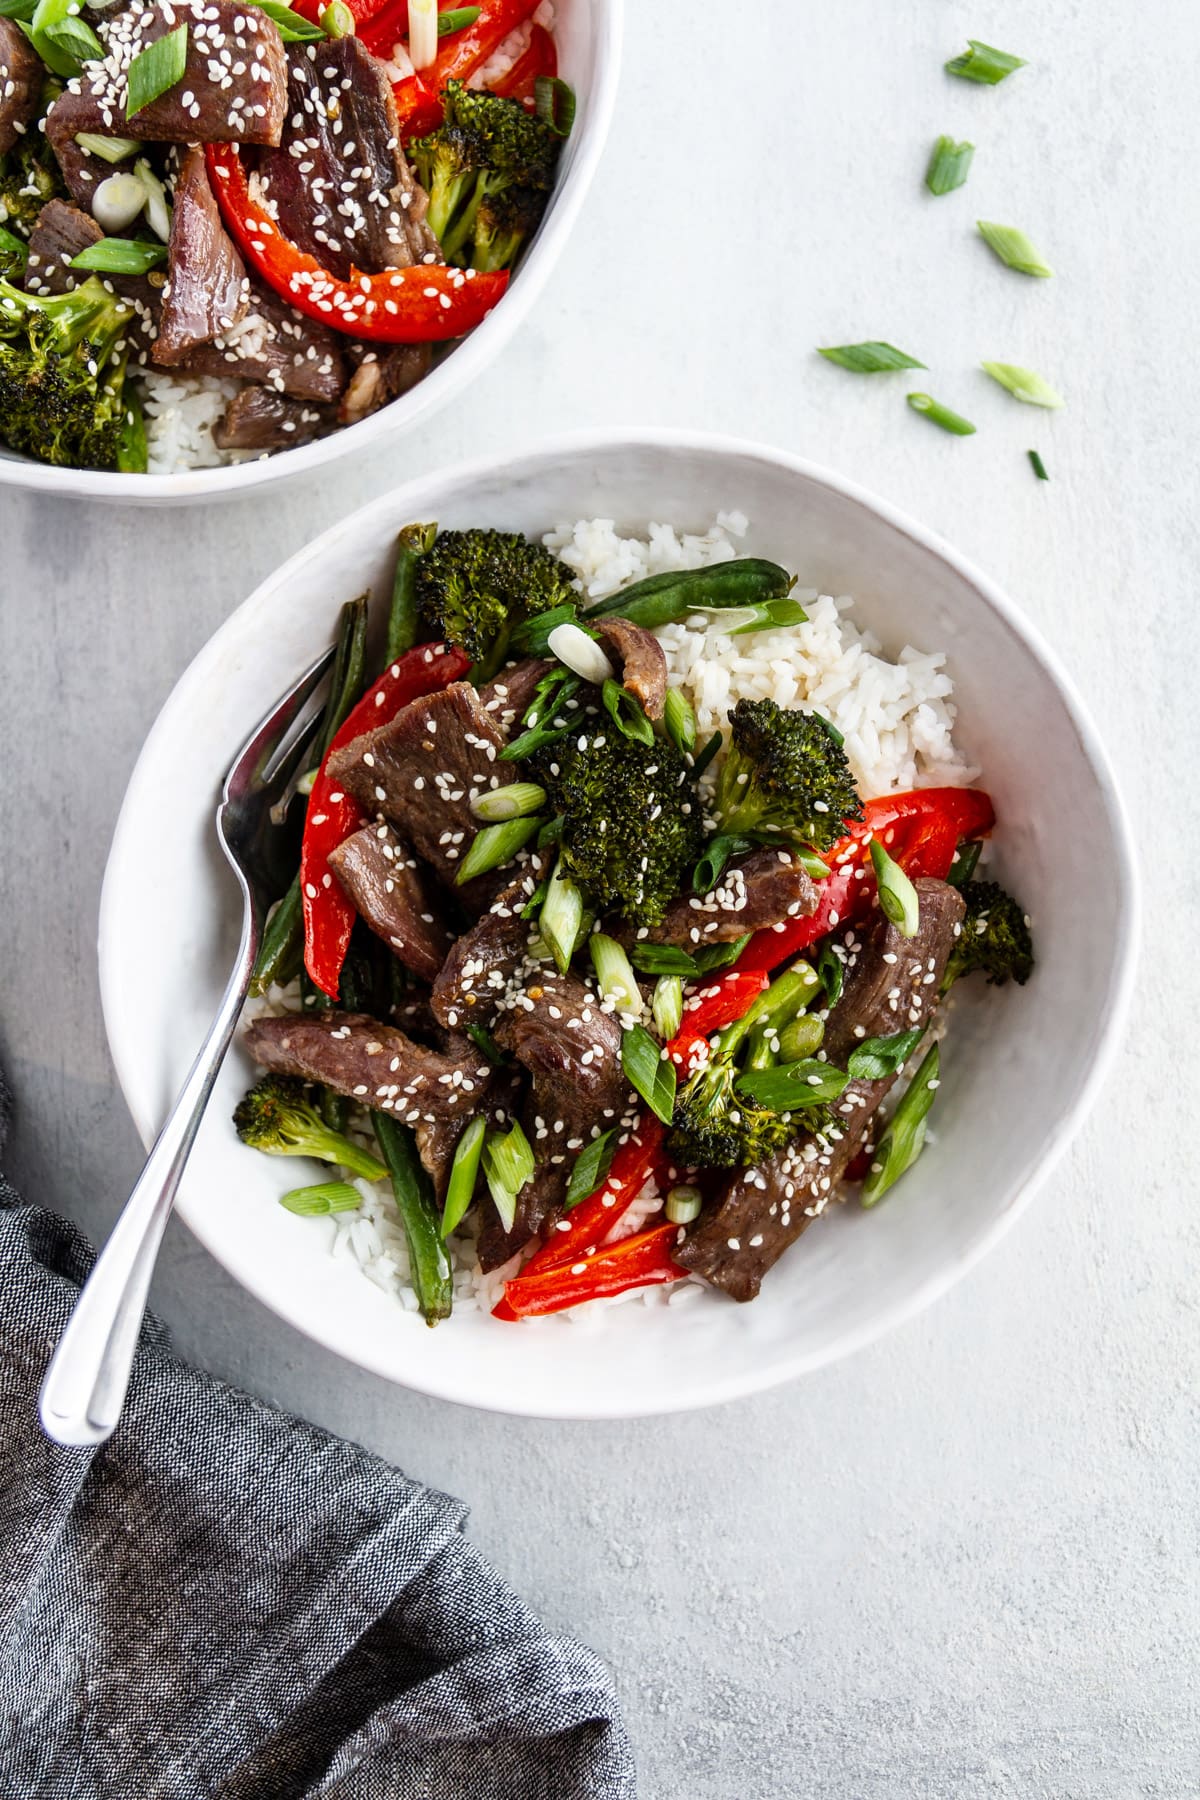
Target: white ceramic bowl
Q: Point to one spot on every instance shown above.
(588, 39)
(1021, 1065)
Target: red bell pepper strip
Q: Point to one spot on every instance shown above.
(425, 303)
(584, 1228)
(722, 1001)
(418, 106)
(387, 25)
(332, 815)
(459, 56)
(540, 58)
(638, 1261)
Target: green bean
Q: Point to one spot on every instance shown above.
(412, 542)
(662, 599)
(429, 1266)
(281, 954)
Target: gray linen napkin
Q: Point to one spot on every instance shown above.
(226, 1602)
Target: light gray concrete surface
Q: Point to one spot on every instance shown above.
(965, 1562)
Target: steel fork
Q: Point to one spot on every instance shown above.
(84, 1387)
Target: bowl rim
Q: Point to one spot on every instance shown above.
(1124, 876)
(474, 354)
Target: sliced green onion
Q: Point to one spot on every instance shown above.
(108, 149)
(801, 1038)
(580, 652)
(963, 866)
(983, 63)
(322, 1198)
(494, 846)
(720, 956)
(517, 801)
(949, 165)
(1013, 248)
(871, 358)
(460, 1189)
(683, 1204)
(667, 1006)
(21, 10)
(937, 414)
(551, 832)
(132, 451)
(54, 31)
(337, 21)
(13, 248)
(422, 32)
(590, 1167)
(76, 41)
(121, 256)
(831, 972)
(156, 69)
(810, 862)
(1024, 384)
(457, 19)
(706, 754)
(533, 637)
(614, 975)
(663, 959)
(770, 615)
(1037, 465)
(293, 27)
(679, 721)
(561, 918)
(533, 905)
(794, 1086)
(555, 103)
(626, 712)
(904, 1138)
(649, 1071)
(876, 1058)
(507, 1165)
(897, 895)
(717, 853)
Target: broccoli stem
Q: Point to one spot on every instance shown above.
(429, 1267)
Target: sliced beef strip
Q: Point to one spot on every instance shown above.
(277, 347)
(393, 892)
(339, 182)
(755, 892)
(641, 660)
(508, 695)
(573, 1052)
(423, 770)
(61, 232)
(21, 76)
(891, 985)
(379, 379)
(374, 1063)
(257, 418)
(207, 290)
(482, 962)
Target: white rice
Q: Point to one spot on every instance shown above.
(898, 720)
(180, 412)
(498, 64)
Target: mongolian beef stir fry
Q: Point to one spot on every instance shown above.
(556, 954)
(280, 210)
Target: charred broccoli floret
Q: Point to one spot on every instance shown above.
(475, 587)
(715, 1128)
(631, 823)
(488, 170)
(278, 1117)
(785, 775)
(29, 177)
(62, 375)
(994, 938)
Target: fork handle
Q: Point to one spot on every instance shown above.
(84, 1387)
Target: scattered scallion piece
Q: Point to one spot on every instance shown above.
(794, 1086)
(871, 358)
(517, 801)
(554, 101)
(1037, 465)
(679, 721)
(561, 917)
(706, 753)
(831, 972)
(683, 1204)
(337, 21)
(1013, 248)
(614, 974)
(875, 1058)
(75, 40)
(457, 19)
(949, 165)
(720, 956)
(648, 1071)
(13, 249)
(626, 712)
(62, 40)
(109, 150)
(293, 27)
(486, 1043)
(937, 414)
(322, 1198)
(769, 615)
(963, 866)
(422, 33)
(21, 10)
(712, 864)
(897, 895)
(1024, 384)
(494, 846)
(156, 69)
(460, 1188)
(904, 1138)
(663, 959)
(801, 1038)
(590, 1167)
(667, 1006)
(507, 1165)
(983, 63)
(121, 256)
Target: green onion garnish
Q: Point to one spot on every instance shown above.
(121, 256)
(626, 712)
(877, 1058)
(555, 103)
(871, 358)
(1037, 465)
(663, 959)
(156, 69)
(614, 975)
(517, 801)
(667, 1006)
(679, 721)
(963, 866)
(801, 1038)
(949, 165)
(648, 1071)
(22, 10)
(831, 972)
(720, 956)
(712, 864)
(293, 27)
(1013, 248)
(494, 846)
(13, 248)
(322, 1198)
(794, 1086)
(904, 1138)
(683, 1204)
(706, 753)
(73, 39)
(507, 1165)
(337, 21)
(561, 918)
(932, 409)
(983, 63)
(590, 1167)
(1024, 384)
(768, 615)
(457, 19)
(109, 150)
(897, 895)
(460, 1188)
